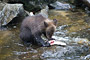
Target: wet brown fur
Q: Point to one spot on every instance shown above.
(34, 26)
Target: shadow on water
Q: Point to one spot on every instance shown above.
(72, 28)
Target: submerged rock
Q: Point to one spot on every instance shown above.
(10, 11)
(65, 52)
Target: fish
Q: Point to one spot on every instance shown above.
(55, 42)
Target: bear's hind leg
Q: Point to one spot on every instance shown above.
(26, 37)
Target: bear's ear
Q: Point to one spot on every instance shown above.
(46, 24)
(55, 21)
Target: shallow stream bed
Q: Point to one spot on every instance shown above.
(73, 28)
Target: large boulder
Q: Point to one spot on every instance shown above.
(31, 5)
(87, 2)
(10, 11)
(82, 3)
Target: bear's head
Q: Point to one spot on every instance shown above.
(50, 27)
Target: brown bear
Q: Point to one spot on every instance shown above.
(33, 27)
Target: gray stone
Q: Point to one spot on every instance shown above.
(44, 12)
(87, 2)
(31, 5)
(60, 6)
(10, 11)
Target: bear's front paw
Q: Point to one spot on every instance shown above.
(46, 44)
(51, 39)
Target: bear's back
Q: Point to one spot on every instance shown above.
(33, 23)
(33, 20)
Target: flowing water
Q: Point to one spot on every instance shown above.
(73, 28)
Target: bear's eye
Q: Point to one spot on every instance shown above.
(49, 33)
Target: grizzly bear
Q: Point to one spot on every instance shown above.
(33, 27)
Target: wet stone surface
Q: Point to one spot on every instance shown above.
(72, 30)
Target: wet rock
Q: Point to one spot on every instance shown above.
(82, 3)
(11, 11)
(87, 57)
(81, 41)
(66, 52)
(32, 5)
(87, 2)
(2, 5)
(60, 6)
(87, 19)
(85, 33)
(44, 12)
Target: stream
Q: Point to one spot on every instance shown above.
(73, 28)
